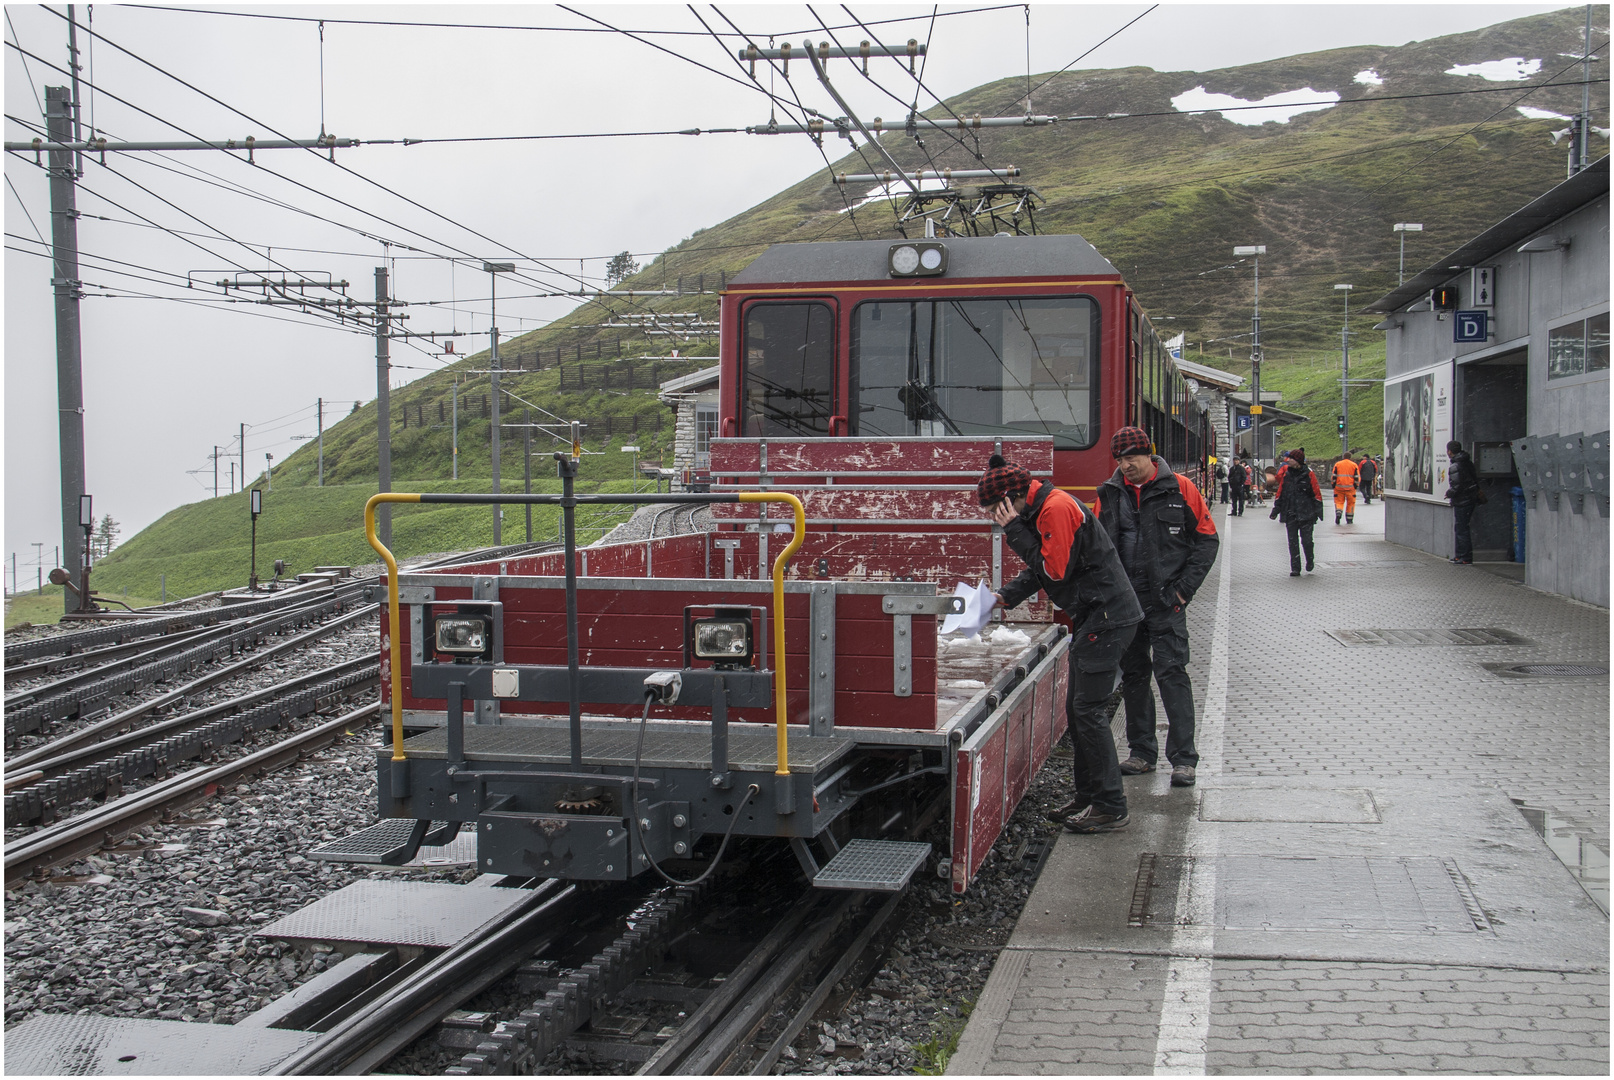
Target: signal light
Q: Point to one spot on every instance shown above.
(1342, 425)
(1444, 298)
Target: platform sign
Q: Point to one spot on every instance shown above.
(1469, 326)
(1243, 422)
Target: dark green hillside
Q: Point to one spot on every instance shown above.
(1165, 196)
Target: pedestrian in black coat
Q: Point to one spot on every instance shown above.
(1464, 495)
(1238, 480)
(1299, 503)
(1370, 473)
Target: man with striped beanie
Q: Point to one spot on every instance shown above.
(1069, 557)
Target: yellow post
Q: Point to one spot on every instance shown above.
(392, 610)
(782, 766)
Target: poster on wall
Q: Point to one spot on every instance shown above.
(1417, 426)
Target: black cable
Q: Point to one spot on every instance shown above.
(18, 196)
(1074, 62)
(633, 811)
(541, 29)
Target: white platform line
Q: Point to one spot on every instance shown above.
(1185, 1004)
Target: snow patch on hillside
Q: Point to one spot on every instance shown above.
(1369, 77)
(1540, 114)
(1511, 69)
(1278, 108)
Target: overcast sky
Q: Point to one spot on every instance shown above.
(166, 381)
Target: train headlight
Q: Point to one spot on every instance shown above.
(923, 259)
(725, 639)
(468, 637)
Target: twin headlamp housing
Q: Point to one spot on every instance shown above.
(725, 638)
(920, 258)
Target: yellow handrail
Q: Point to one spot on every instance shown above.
(782, 751)
(782, 763)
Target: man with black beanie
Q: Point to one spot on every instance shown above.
(1299, 503)
(1069, 556)
(1167, 542)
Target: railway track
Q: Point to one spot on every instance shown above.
(117, 818)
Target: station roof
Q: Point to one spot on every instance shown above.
(1268, 408)
(1556, 203)
(692, 382)
(967, 257)
(1214, 376)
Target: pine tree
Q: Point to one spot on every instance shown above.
(621, 267)
(106, 537)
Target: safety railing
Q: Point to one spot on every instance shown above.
(568, 502)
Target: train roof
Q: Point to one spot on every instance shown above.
(967, 257)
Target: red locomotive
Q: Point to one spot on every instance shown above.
(598, 713)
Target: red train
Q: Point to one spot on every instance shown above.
(596, 713)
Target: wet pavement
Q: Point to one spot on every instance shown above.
(1395, 860)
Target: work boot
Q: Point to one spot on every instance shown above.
(1337, 515)
(1134, 766)
(1310, 566)
(1089, 822)
(1182, 776)
(1349, 520)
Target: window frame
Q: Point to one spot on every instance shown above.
(743, 364)
(1585, 368)
(1095, 365)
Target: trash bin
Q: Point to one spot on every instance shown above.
(1518, 523)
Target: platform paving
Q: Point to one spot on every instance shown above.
(1354, 885)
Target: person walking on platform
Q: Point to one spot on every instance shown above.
(1069, 556)
(1238, 478)
(1299, 503)
(1369, 473)
(1464, 494)
(1221, 478)
(1346, 475)
(1166, 540)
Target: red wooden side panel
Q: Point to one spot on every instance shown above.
(986, 801)
(1042, 720)
(961, 456)
(1061, 719)
(875, 502)
(1017, 756)
(669, 556)
(645, 628)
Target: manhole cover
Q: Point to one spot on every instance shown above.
(1413, 894)
(1527, 671)
(1480, 635)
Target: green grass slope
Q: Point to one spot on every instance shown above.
(1165, 196)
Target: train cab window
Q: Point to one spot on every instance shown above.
(976, 367)
(789, 380)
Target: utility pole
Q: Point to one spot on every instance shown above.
(69, 356)
(526, 464)
(242, 439)
(493, 271)
(215, 470)
(269, 472)
(1345, 373)
(39, 565)
(320, 407)
(232, 478)
(383, 406)
(1582, 156)
(1257, 250)
(454, 409)
(1403, 228)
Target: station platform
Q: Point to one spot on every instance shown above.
(1395, 859)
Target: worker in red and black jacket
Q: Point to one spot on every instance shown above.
(1070, 557)
(1299, 504)
(1166, 539)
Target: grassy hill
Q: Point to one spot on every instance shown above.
(1164, 195)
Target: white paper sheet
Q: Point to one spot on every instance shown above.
(978, 604)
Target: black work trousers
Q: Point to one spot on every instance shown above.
(1159, 649)
(1237, 491)
(1095, 660)
(1300, 538)
(1224, 490)
(1462, 514)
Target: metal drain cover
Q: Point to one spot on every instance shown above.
(1481, 635)
(1413, 894)
(1545, 671)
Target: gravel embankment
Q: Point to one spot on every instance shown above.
(119, 945)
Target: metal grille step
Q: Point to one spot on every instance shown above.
(392, 842)
(878, 865)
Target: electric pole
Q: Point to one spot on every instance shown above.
(494, 270)
(383, 406)
(69, 355)
(320, 413)
(526, 464)
(1257, 250)
(454, 404)
(242, 439)
(1345, 373)
(215, 470)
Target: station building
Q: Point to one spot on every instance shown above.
(1503, 346)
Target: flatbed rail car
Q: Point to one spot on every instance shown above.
(884, 716)
(1002, 337)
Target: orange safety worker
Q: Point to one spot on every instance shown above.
(1346, 473)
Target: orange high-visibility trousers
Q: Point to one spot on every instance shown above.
(1345, 499)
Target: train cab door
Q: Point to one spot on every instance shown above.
(789, 377)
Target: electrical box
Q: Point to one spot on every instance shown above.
(1493, 458)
